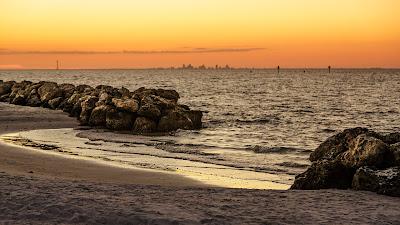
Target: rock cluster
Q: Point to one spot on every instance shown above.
(141, 111)
(355, 158)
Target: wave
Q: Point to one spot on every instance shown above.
(278, 150)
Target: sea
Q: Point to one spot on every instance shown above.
(259, 126)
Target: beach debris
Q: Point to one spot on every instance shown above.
(356, 158)
(141, 111)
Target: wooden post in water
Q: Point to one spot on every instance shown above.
(329, 69)
(278, 69)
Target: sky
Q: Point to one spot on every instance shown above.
(162, 33)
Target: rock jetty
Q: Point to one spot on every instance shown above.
(141, 111)
(356, 158)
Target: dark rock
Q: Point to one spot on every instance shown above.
(365, 150)
(385, 181)
(68, 89)
(175, 120)
(144, 125)
(88, 103)
(325, 174)
(55, 102)
(116, 120)
(167, 94)
(129, 105)
(5, 87)
(336, 144)
(99, 115)
(195, 116)
(82, 88)
(48, 91)
(149, 110)
(125, 93)
(391, 138)
(5, 98)
(18, 100)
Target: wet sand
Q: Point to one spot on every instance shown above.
(21, 161)
(38, 188)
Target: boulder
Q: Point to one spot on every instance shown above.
(356, 158)
(33, 99)
(19, 99)
(167, 94)
(365, 150)
(129, 105)
(144, 125)
(104, 99)
(391, 138)
(119, 120)
(125, 93)
(68, 89)
(336, 144)
(82, 88)
(195, 116)
(98, 116)
(174, 120)
(386, 181)
(88, 103)
(55, 102)
(48, 91)
(325, 174)
(149, 110)
(5, 87)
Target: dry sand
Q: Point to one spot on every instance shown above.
(37, 188)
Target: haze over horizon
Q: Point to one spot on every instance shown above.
(156, 33)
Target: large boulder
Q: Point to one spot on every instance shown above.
(325, 174)
(99, 115)
(119, 120)
(356, 158)
(87, 105)
(129, 105)
(175, 119)
(5, 87)
(19, 97)
(386, 181)
(55, 102)
(368, 151)
(68, 89)
(149, 110)
(144, 125)
(195, 116)
(48, 91)
(167, 94)
(336, 144)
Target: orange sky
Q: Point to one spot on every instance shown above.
(162, 33)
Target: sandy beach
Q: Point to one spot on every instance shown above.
(39, 188)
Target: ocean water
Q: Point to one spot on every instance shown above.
(259, 126)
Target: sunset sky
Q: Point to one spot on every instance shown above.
(163, 33)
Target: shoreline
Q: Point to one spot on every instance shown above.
(44, 164)
(70, 191)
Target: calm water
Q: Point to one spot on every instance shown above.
(283, 116)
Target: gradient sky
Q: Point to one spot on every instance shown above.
(162, 33)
